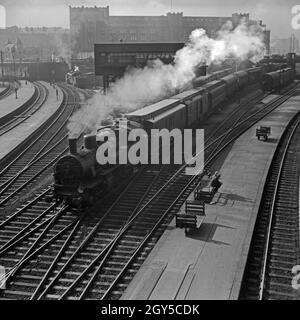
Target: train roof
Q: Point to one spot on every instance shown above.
(229, 78)
(167, 113)
(212, 74)
(203, 78)
(188, 93)
(277, 72)
(213, 84)
(273, 74)
(255, 69)
(221, 71)
(153, 108)
(241, 73)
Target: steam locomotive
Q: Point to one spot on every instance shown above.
(79, 179)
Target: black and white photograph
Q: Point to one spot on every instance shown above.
(150, 151)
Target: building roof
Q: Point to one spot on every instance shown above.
(213, 84)
(134, 47)
(229, 78)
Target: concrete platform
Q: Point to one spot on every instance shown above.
(15, 136)
(209, 263)
(10, 103)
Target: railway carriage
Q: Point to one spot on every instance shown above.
(277, 79)
(242, 79)
(171, 119)
(196, 101)
(255, 74)
(150, 112)
(231, 82)
(270, 81)
(216, 93)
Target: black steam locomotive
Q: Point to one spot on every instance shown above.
(79, 179)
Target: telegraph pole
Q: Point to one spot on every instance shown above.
(14, 64)
(13, 51)
(292, 43)
(2, 65)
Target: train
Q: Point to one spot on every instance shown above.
(79, 179)
(274, 81)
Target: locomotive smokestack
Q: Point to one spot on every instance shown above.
(90, 142)
(73, 145)
(201, 70)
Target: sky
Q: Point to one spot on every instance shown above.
(275, 13)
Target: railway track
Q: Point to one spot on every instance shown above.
(111, 250)
(243, 110)
(243, 120)
(33, 107)
(131, 261)
(33, 162)
(8, 91)
(33, 228)
(275, 247)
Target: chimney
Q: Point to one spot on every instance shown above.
(90, 142)
(73, 146)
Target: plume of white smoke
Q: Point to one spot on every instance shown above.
(139, 87)
(63, 47)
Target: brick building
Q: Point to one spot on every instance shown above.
(37, 43)
(283, 46)
(89, 25)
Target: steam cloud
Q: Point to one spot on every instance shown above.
(140, 87)
(63, 48)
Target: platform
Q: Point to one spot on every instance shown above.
(209, 263)
(11, 139)
(2, 89)
(10, 104)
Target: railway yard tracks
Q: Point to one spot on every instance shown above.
(18, 174)
(7, 91)
(275, 246)
(34, 106)
(50, 252)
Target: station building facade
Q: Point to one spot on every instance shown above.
(89, 25)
